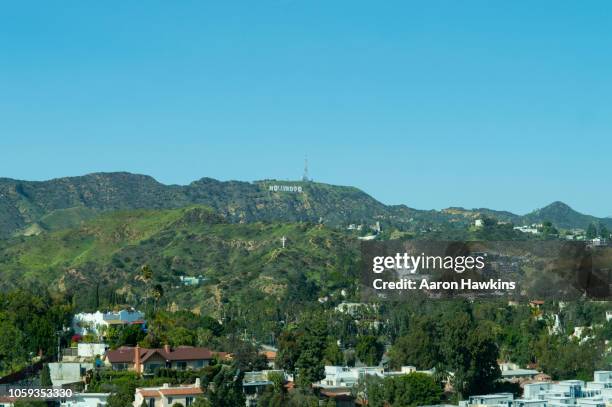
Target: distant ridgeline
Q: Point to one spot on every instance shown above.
(30, 207)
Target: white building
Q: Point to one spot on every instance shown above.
(91, 350)
(7, 401)
(94, 323)
(254, 384)
(597, 393)
(344, 376)
(86, 400)
(68, 372)
(166, 396)
(534, 229)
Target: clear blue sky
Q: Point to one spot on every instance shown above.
(501, 104)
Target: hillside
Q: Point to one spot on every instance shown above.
(98, 263)
(66, 202)
(561, 215)
(31, 207)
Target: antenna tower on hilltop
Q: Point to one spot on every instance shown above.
(305, 176)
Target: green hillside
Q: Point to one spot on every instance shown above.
(66, 202)
(244, 265)
(561, 215)
(31, 207)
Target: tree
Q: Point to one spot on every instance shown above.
(333, 355)
(201, 402)
(45, 376)
(603, 231)
(470, 351)
(248, 359)
(414, 389)
(288, 350)
(369, 350)
(227, 388)
(157, 293)
(129, 335)
(420, 347)
(275, 395)
(591, 232)
(548, 229)
(146, 274)
(312, 344)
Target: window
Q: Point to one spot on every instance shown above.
(181, 365)
(170, 400)
(152, 367)
(188, 401)
(151, 402)
(199, 363)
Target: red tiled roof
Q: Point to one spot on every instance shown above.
(149, 393)
(170, 391)
(181, 391)
(127, 354)
(270, 355)
(189, 353)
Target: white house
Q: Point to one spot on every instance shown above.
(344, 376)
(166, 396)
(86, 400)
(597, 393)
(91, 350)
(7, 401)
(599, 241)
(68, 372)
(94, 323)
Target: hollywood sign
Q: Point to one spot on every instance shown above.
(285, 188)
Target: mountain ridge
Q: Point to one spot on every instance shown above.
(27, 207)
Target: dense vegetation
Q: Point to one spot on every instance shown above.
(262, 281)
(29, 326)
(248, 277)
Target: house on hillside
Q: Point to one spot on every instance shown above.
(255, 383)
(86, 400)
(166, 396)
(68, 373)
(95, 322)
(146, 360)
(7, 401)
(270, 358)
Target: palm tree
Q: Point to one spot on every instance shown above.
(146, 274)
(157, 293)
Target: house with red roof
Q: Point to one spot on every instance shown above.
(166, 396)
(147, 360)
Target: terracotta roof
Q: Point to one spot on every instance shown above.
(270, 355)
(190, 353)
(149, 393)
(336, 393)
(170, 391)
(180, 391)
(123, 354)
(127, 354)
